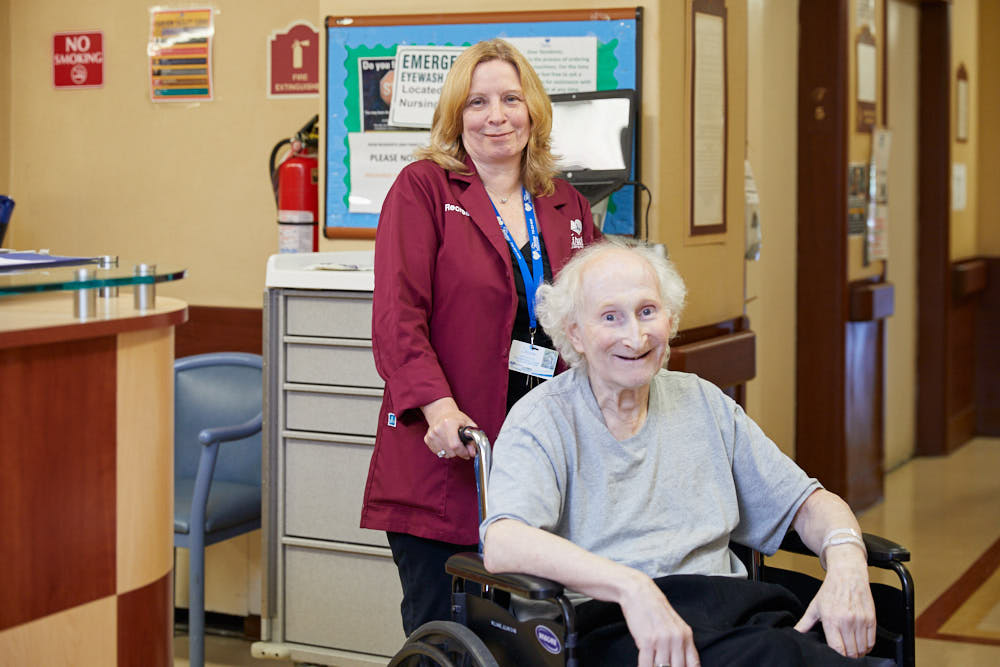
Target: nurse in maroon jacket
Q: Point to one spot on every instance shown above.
(463, 229)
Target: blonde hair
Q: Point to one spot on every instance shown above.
(558, 304)
(446, 148)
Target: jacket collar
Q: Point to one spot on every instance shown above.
(476, 201)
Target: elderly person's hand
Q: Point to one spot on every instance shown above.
(662, 637)
(443, 421)
(844, 603)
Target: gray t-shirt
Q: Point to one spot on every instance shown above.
(665, 501)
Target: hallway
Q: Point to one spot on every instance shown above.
(945, 510)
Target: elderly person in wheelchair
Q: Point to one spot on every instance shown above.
(626, 482)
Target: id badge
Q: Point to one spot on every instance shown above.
(534, 360)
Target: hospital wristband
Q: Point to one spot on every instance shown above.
(840, 536)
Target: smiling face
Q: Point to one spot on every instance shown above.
(495, 120)
(622, 328)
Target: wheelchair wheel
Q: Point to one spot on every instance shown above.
(445, 644)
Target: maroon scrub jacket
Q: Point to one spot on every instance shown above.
(443, 313)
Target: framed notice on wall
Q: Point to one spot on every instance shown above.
(867, 78)
(962, 104)
(709, 124)
(384, 74)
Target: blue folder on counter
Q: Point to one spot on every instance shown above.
(22, 261)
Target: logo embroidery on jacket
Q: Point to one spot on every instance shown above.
(457, 209)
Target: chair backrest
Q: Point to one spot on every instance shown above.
(212, 390)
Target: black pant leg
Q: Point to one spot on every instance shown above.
(735, 623)
(426, 586)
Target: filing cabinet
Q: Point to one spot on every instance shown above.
(331, 592)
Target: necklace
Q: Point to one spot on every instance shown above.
(503, 200)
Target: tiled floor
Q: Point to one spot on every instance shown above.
(945, 510)
(223, 651)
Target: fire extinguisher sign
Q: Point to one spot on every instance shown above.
(293, 62)
(78, 59)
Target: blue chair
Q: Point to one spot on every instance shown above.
(6, 208)
(217, 399)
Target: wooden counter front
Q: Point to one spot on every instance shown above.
(86, 481)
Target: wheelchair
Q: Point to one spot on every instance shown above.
(489, 627)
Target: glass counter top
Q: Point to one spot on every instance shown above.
(91, 274)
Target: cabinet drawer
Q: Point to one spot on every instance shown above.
(334, 317)
(331, 412)
(343, 600)
(324, 487)
(348, 365)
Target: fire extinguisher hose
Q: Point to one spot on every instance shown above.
(272, 171)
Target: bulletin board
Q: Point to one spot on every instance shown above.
(358, 44)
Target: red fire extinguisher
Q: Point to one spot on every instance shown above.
(296, 192)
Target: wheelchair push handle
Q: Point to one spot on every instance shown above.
(484, 461)
(469, 434)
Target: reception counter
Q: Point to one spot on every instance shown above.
(86, 481)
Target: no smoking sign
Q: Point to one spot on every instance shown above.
(78, 59)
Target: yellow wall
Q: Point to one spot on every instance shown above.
(964, 49)
(987, 129)
(105, 171)
(5, 101)
(711, 265)
(772, 65)
(901, 328)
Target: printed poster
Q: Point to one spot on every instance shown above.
(376, 160)
(419, 76)
(376, 77)
(877, 238)
(857, 198)
(564, 64)
(180, 55)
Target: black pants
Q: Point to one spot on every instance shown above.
(735, 622)
(426, 586)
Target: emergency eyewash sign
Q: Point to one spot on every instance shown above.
(78, 59)
(420, 72)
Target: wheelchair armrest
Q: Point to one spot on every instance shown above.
(470, 566)
(881, 551)
(228, 433)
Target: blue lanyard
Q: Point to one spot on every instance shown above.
(533, 278)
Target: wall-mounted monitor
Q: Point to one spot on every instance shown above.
(592, 136)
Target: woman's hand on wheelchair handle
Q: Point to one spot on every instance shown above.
(844, 604)
(443, 421)
(661, 635)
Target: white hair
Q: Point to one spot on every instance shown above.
(558, 304)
